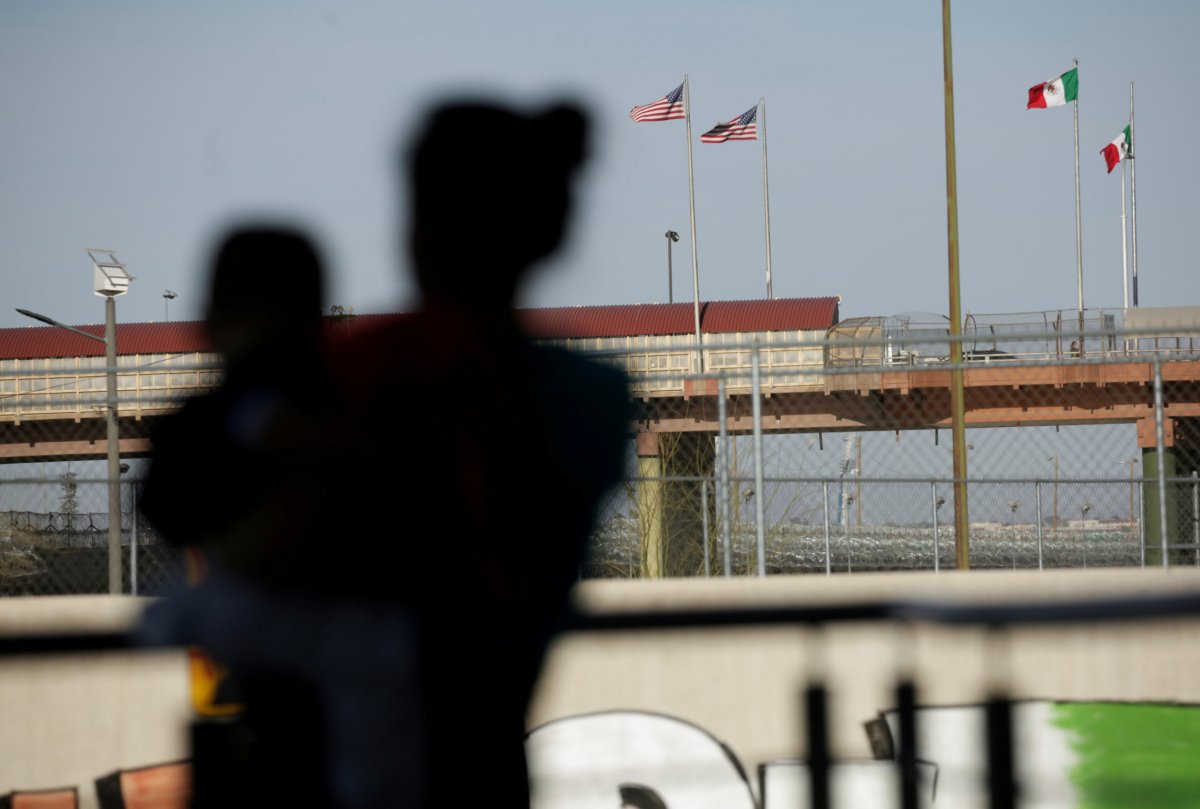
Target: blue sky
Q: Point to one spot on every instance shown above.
(148, 127)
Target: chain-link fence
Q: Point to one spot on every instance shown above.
(1079, 453)
(54, 540)
(762, 452)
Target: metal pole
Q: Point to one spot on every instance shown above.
(1142, 524)
(114, 448)
(1133, 192)
(1124, 244)
(1054, 522)
(1037, 486)
(670, 272)
(957, 412)
(687, 107)
(1162, 464)
(759, 515)
(723, 497)
(1196, 515)
(933, 490)
(762, 115)
(825, 508)
(858, 483)
(133, 539)
(704, 525)
(1132, 461)
(1078, 227)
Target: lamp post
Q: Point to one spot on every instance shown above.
(672, 236)
(168, 296)
(109, 281)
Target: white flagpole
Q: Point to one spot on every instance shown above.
(1133, 192)
(1124, 244)
(687, 110)
(1078, 226)
(762, 116)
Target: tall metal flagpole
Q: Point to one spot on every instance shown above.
(687, 111)
(1078, 226)
(1124, 244)
(1133, 192)
(762, 117)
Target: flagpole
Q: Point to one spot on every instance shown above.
(687, 112)
(1124, 244)
(1133, 193)
(762, 116)
(1078, 226)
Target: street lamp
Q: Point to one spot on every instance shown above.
(672, 236)
(110, 280)
(168, 296)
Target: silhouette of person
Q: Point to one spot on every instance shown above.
(486, 452)
(237, 474)
(252, 437)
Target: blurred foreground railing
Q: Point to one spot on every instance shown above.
(996, 618)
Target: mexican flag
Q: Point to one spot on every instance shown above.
(1116, 151)
(1056, 92)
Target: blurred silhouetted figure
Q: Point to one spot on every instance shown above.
(487, 454)
(238, 475)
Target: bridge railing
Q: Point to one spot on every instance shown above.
(658, 365)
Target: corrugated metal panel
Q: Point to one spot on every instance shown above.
(781, 314)
(608, 321)
(179, 337)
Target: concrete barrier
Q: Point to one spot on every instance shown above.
(67, 720)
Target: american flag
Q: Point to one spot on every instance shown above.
(742, 127)
(667, 108)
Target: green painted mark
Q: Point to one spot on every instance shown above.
(1131, 755)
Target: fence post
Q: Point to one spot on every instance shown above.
(723, 496)
(704, 526)
(759, 514)
(1037, 491)
(133, 539)
(1162, 466)
(934, 503)
(1196, 514)
(825, 509)
(1142, 518)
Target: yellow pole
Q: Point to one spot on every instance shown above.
(962, 555)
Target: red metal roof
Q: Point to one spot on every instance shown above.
(780, 314)
(609, 321)
(179, 337)
(716, 317)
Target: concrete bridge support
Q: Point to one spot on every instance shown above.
(671, 511)
(1180, 459)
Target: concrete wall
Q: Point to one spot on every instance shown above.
(745, 685)
(67, 720)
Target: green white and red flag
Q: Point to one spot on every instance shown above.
(1056, 92)
(1118, 150)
